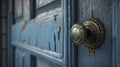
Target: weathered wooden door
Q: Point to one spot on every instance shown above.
(39, 33)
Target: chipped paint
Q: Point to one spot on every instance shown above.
(93, 15)
(23, 28)
(92, 51)
(24, 41)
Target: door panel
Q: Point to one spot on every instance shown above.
(43, 63)
(39, 39)
(18, 8)
(19, 57)
(102, 56)
(41, 3)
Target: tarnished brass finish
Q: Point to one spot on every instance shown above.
(91, 33)
(95, 32)
(78, 34)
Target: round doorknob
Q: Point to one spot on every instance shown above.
(91, 33)
(78, 33)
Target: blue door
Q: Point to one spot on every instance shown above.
(38, 33)
(63, 33)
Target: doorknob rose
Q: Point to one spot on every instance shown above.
(91, 32)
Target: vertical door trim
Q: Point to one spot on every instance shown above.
(10, 55)
(72, 18)
(115, 31)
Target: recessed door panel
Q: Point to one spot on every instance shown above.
(40, 36)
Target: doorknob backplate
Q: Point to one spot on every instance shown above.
(91, 32)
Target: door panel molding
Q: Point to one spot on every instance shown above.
(20, 31)
(56, 58)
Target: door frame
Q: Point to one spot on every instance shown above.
(71, 50)
(1, 49)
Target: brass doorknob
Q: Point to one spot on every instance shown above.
(91, 33)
